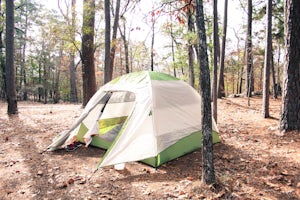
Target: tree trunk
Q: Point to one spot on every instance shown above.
(72, 68)
(152, 45)
(268, 57)
(208, 171)
(215, 57)
(88, 65)
(126, 49)
(278, 80)
(274, 88)
(40, 89)
(108, 71)
(114, 35)
(249, 62)
(290, 109)
(221, 92)
(45, 79)
(9, 67)
(2, 64)
(190, 48)
(23, 63)
(56, 91)
(172, 47)
(173, 54)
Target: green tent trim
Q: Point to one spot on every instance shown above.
(105, 125)
(186, 145)
(161, 76)
(132, 77)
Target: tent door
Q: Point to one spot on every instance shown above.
(112, 117)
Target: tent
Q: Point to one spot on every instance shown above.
(143, 116)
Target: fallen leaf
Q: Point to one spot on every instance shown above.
(71, 181)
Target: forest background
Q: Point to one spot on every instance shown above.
(48, 66)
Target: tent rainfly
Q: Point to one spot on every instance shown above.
(142, 116)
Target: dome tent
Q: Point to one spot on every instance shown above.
(142, 116)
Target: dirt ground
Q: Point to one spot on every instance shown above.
(253, 161)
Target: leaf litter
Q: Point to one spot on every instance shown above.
(253, 161)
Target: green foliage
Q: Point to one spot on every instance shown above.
(181, 58)
(2, 18)
(278, 20)
(140, 55)
(191, 37)
(259, 14)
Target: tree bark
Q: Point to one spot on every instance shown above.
(108, 71)
(208, 172)
(40, 89)
(290, 108)
(9, 67)
(88, 65)
(215, 59)
(274, 88)
(190, 48)
(221, 91)
(152, 44)
(2, 64)
(249, 63)
(23, 63)
(268, 57)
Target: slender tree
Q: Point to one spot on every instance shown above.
(274, 88)
(114, 34)
(215, 59)
(290, 108)
(153, 21)
(2, 61)
(71, 37)
(125, 43)
(23, 44)
(172, 47)
(191, 59)
(9, 63)
(87, 55)
(221, 89)
(240, 69)
(72, 67)
(249, 62)
(108, 71)
(208, 172)
(56, 90)
(267, 63)
(40, 89)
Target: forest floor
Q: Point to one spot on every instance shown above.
(253, 160)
